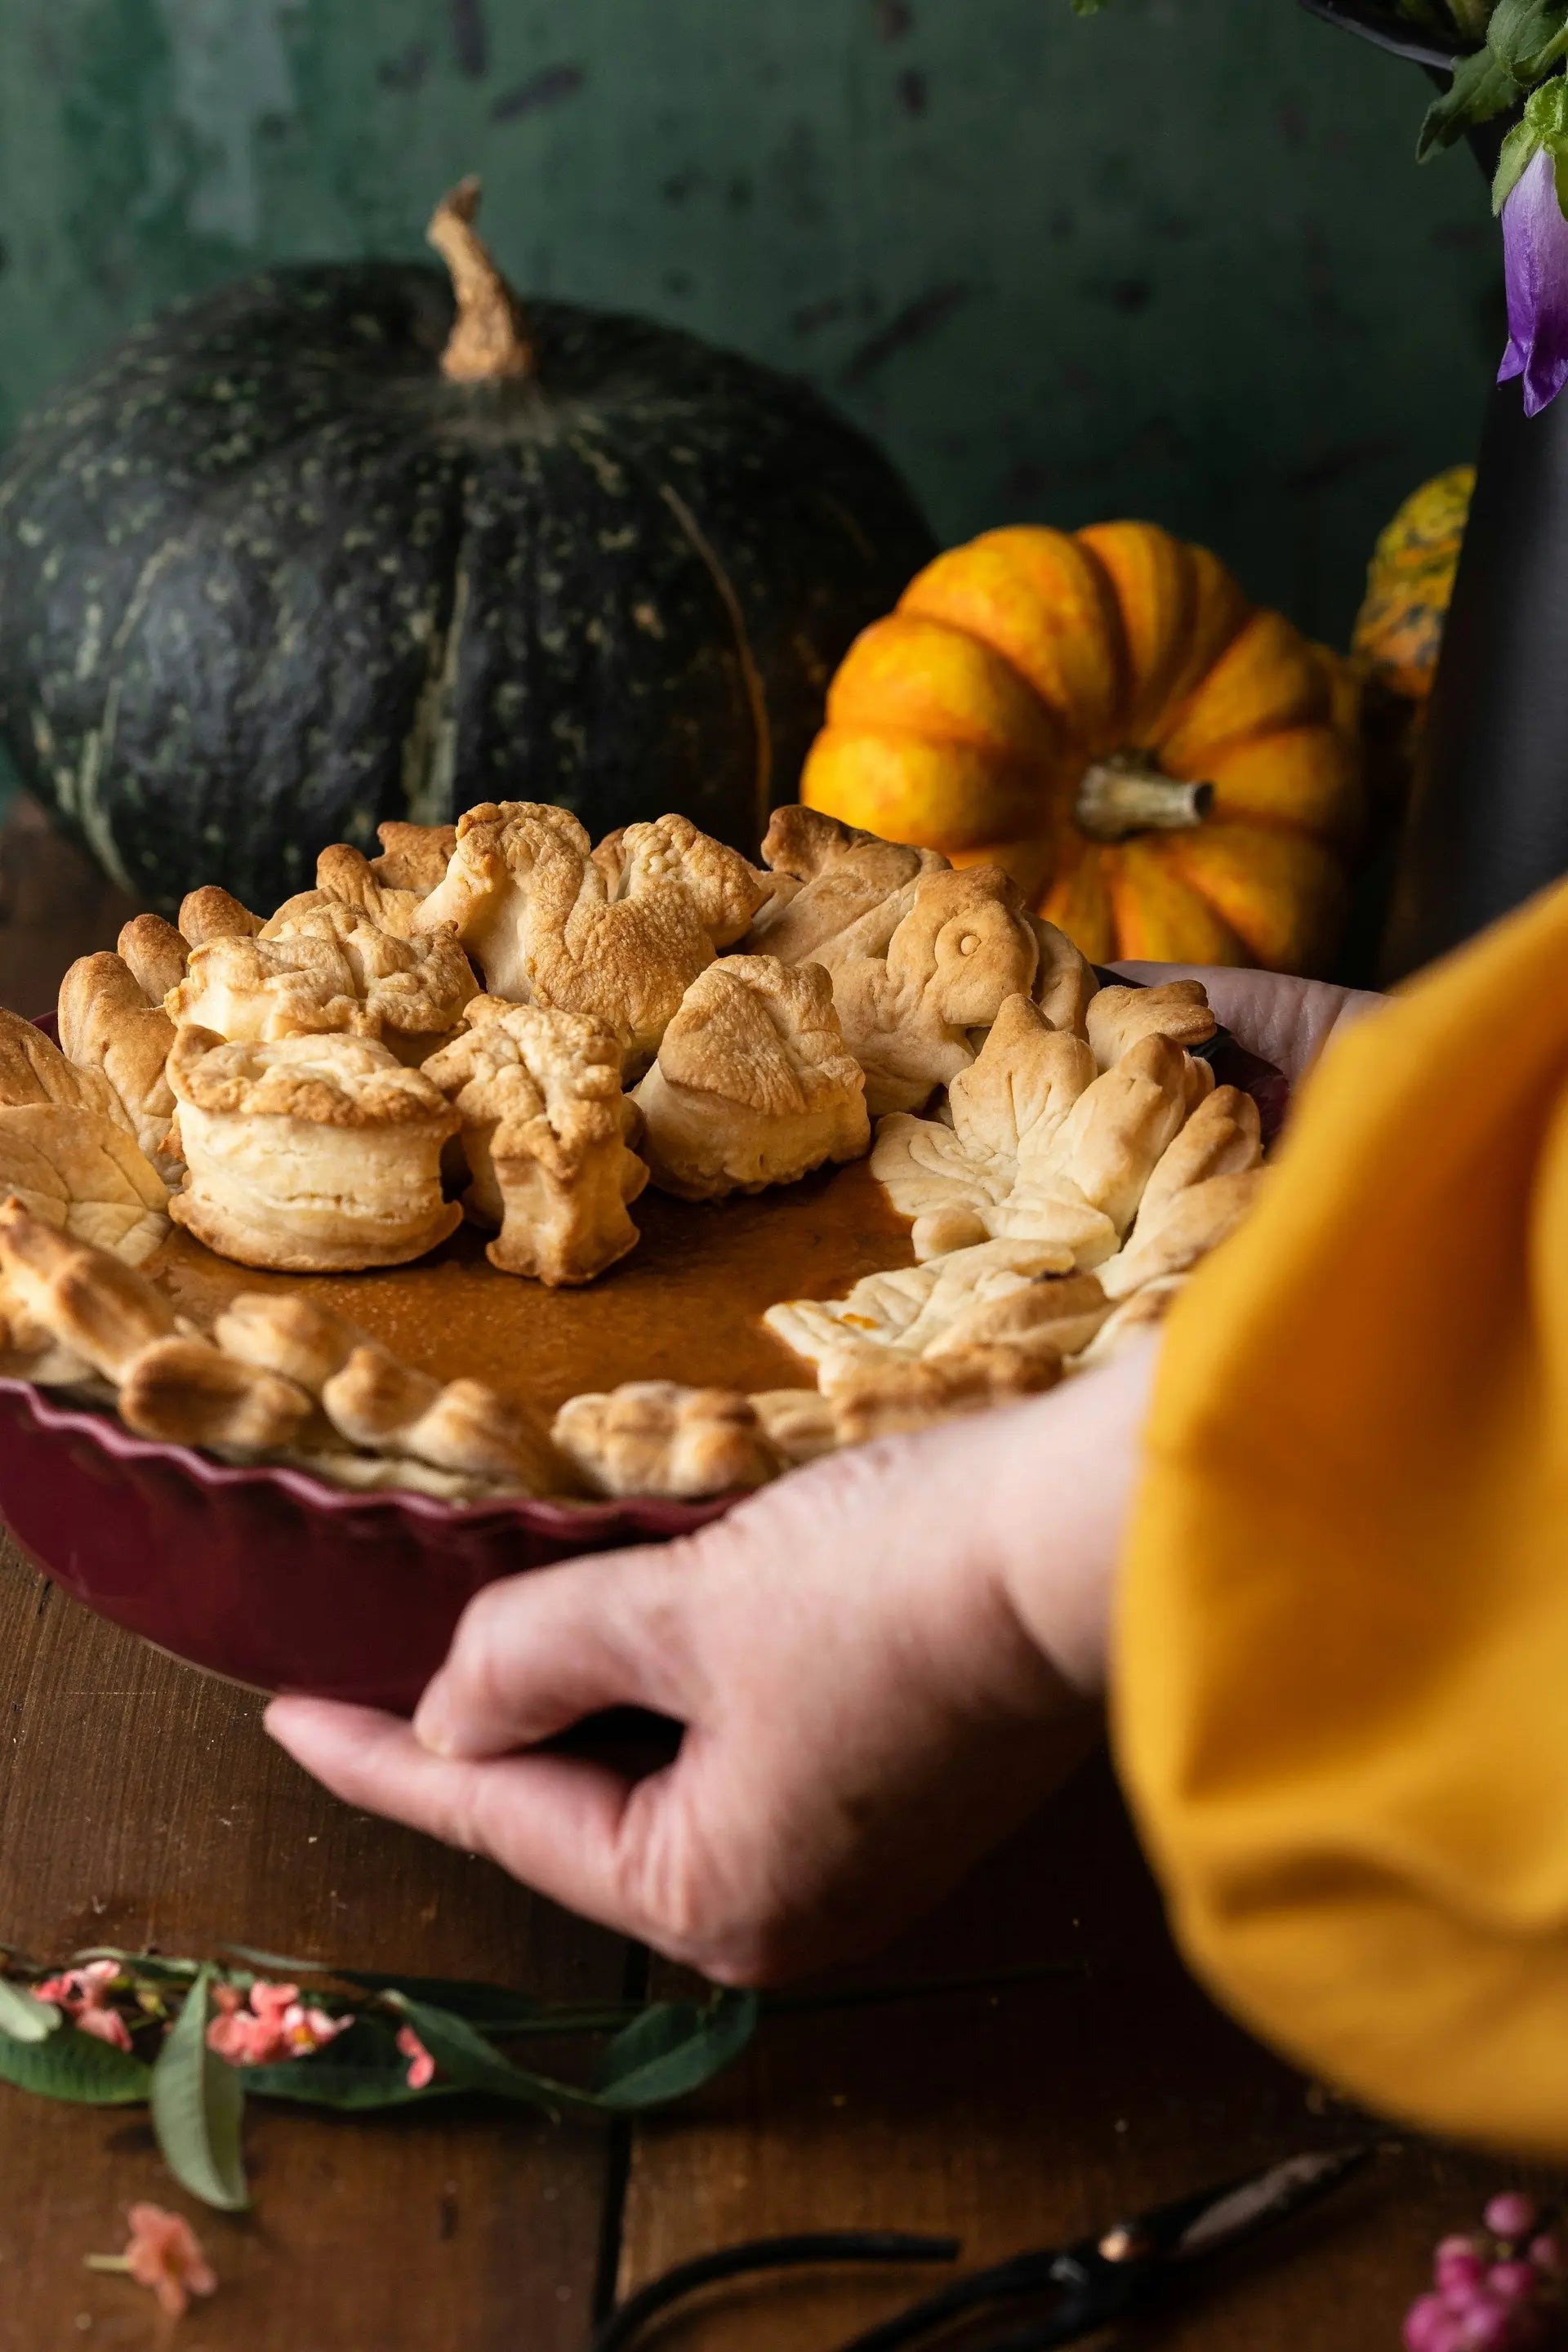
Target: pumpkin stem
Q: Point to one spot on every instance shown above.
(1125, 794)
(489, 338)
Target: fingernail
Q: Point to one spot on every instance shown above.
(432, 1725)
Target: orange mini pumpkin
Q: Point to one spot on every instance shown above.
(1165, 770)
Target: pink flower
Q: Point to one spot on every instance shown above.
(421, 2065)
(165, 2254)
(1511, 2215)
(83, 1994)
(278, 2025)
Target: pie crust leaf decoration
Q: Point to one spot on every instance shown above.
(322, 968)
(906, 1308)
(654, 1437)
(311, 1155)
(960, 945)
(1141, 1312)
(798, 1422)
(109, 1027)
(346, 877)
(547, 1133)
(211, 913)
(413, 857)
(34, 1070)
(1186, 1229)
(1117, 1018)
(1012, 1164)
(619, 936)
(188, 1393)
(70, 1310)
(156, 953)
(753, 1085)
(893, 1395)
(462, 1427)
(81, 1172)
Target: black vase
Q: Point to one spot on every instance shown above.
(1488, 819)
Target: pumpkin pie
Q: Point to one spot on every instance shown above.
(845, 1060)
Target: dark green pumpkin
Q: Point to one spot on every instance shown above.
(268, 576)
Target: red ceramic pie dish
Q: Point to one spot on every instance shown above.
(276, 1579)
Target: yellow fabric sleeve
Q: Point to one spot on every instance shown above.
(1342, 1670)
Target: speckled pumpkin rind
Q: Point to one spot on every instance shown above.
(1410, 585)
(267, 579)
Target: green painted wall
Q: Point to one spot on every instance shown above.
(1175, 261)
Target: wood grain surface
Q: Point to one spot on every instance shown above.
(1026, 2065)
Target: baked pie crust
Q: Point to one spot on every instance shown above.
(753, 1085)
(312, 1154)
(325, 969)
(319, 1082)
(618, 934)
(547, 1134)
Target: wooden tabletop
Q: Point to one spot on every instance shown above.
(1028, 2063)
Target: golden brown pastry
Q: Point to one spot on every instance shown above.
(311, 1155)
(462, 1427)
(211, 913)
(829, 877)
(346, 876)
(413, 857)
(1117, 1018)
(891, 1395)
(906, 1308)
(327, 970)
(1040, 1146)
(156, 953)
(653, 1437)
(108, 1026)
(798, 1421)
(34, 1070)
(547, 1133)
(69, 1311)
(753, 1085)
(1142, 1311)
(908, 997)
(619, 938)
(1057, 1315)
(81, 1172)
(836, 875)
(187, 1393)
(1185, 1227)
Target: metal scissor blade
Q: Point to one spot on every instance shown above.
(1233, 2213)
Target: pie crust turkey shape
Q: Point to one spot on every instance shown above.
(547, 1132)
(312, 1155)
(753, 1085)
(618, 934)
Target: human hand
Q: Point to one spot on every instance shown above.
(881, 1665)
(1288, 1021)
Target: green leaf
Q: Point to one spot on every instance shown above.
(1480, 89)
(75, 2067)
(674, 2049)
(198, 2100)
(488, 2004)
(361, 2069)
(154, 1966)
(23, 2015)
(471, 2063)
(1528, 37)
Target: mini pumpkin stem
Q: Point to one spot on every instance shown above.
(1123, 796)
(489, 338)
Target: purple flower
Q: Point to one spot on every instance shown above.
(1535, 257)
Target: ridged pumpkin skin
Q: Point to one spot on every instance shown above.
(268, 577)
(1410, 585)
(967, 719)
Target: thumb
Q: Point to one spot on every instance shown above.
(533, 1655)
